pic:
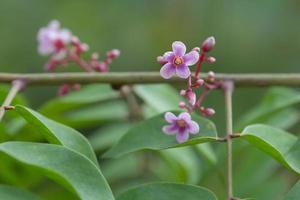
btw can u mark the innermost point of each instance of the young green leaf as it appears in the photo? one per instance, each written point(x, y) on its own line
point(13, 193)
point(282, 146)
point(149, 135)
point(274, 101)
point(58, 133)
point(167, 191)
point(294, 193)
point(65, 166)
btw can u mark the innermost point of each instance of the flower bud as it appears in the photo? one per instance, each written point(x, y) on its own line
point(210, 112)
point(51, 65)
point(210, 59)
point(95, 56)
point(182, 92)
point(191, 96)
point(208, 44)
point(207, 111)
point(182, 104)
point(211, 76)
point(63, 90)
point(101, 67)
point(113, 54)
point(200, 82)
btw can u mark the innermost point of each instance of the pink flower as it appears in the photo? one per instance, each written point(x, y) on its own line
point(181, 126)
point(178, 61)
point(52, 39)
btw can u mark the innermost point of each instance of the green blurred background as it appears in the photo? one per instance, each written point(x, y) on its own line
point(252, 36)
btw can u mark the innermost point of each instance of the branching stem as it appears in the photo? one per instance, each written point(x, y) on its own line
point(17, 85)
point(228, 88)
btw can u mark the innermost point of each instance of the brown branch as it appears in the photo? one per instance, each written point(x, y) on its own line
point(122, 78)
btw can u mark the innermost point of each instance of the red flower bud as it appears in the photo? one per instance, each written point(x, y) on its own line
point(182, 104)
point(208, 44)
point(210, 59)
point(182, 92)
point(113, 54)
point(200, 82)
point(63, 90)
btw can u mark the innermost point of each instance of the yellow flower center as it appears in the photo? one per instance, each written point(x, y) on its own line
point(178, 60)
point(181, 123)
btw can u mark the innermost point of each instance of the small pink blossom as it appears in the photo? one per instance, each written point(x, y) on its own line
point(53, 38)
point(180, 126)
point(178, 62)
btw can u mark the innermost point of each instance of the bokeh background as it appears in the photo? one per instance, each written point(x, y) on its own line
point(252, 37)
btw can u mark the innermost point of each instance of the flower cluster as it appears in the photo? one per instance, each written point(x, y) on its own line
point(178, 62)
point(63, 48)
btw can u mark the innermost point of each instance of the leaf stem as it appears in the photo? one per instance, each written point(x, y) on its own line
point(228, 88)
point(17, 85)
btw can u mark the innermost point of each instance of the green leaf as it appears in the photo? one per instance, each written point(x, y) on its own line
point(58, 133)
point(96, 114)
point(294, 193)
point(189, 166)
point(281, 145)
point(106, 136)
point(67, 167)
point(274, 101)
point(86, 95)
point(13, 193)
point(148, 134)
point(161, 97)
point(167, 191)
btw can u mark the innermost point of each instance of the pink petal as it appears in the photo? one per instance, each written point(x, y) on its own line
point(167, 71)
point(169, 56)
point(193, 127)
point(170, 129)
point(182, 137)
point(185, 116)
point(191, 58)
point(183, 71)
point(179, 48)
point(170, 117)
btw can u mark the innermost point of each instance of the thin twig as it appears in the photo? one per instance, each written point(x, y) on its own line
point(123, 78)
point(135, 112)
point(228, 87)
point(17, 85)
